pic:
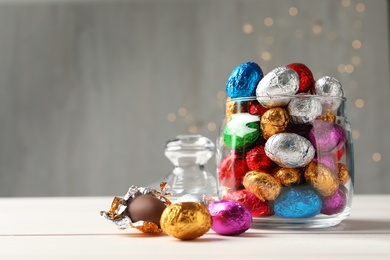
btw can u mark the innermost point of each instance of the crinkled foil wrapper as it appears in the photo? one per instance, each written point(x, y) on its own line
point(117, 213)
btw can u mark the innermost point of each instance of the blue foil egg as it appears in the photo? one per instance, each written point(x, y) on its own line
point(298, 202)
point(243, 80)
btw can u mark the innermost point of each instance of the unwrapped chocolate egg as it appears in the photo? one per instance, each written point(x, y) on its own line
point(273, 121)
point(243, 80)
point(147, 208)
point(289, 150)
point(326, 136)
point(322, 178)
point(229, 217)
point(328, 86)
point(306, 79)
point(298, 202)
point(303, 109)
point(262, 184)
point(279, 82)
point(335, 203)
point(258, 208)
point(241, 131)
point(231, 170)
point(288, 176)
point(186, 220)
point(256, 159)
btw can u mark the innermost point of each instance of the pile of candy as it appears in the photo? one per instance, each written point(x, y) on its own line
point(284, 143)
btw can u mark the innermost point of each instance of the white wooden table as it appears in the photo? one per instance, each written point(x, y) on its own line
point(72, 228)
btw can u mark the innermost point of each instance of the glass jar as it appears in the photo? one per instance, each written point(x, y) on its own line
point(289, 159)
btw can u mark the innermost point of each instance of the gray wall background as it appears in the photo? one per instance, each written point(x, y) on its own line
point(90, 91)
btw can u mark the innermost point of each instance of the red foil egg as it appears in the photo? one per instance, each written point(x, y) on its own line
point(231, 170)
point(258, 207)
point(257, 160)
point(255, 108)
point(306, 79)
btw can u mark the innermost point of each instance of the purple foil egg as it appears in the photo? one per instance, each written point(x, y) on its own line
point(336, 203)
point(326, 136)
point(229, 217)
point(327, 159)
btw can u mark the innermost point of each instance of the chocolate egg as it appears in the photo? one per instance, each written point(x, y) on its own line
point(262, 184)
point(335, 203)
point(306, 79)
point(343, 173)
point(231, 170)
point(322, 178)
point(229, 217)
point(256, 159)
point(255, 108)
point(147, 208)
point(326, 136)
point(304, 109)
point(298, 202)
point(241, 131)
point(186, 220)
point(289, 150)
point(328, 159)
point(275, 120)
point(279, 82)
point(243, 80)
point(332, 91)
point(288, 176)
point(258, 208)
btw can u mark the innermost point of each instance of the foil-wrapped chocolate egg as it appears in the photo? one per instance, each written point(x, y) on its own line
point(256, 159)
point(255, 108)
point(258, 208)
point(288, 176)
point(241, 131)
point(343, 173)
point(229, 217)
point(326, 136)
point(298, 202)
point(243, 80)
point(335, 203)
point(234, 107)
point(322, 178)
point(262, 184)
point(332, 91)
point(327, 117)
point(186, 220)
point(327, 159)
point(274, 121)
point(147, 208)
point(280, 82)
point(231, 170)
point(304, 109)
point(306, 79)
point(289, 150)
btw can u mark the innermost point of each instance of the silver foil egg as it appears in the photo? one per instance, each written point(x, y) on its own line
point(281, 81)
point(303, 110)
point(289, 150)
point(328, 86)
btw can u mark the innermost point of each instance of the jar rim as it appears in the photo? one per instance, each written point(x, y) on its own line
point(304, 95)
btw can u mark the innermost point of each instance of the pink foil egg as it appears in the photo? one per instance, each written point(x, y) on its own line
point(326, 136)
point(229, 217)
point(336, 203)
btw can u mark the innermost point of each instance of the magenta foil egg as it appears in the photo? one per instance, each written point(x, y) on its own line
point(326, 136)
point(229, 217)
point(329, 160)
point(336, 203)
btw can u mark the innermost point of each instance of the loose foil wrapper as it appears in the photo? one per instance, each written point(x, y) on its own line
point(117, 213)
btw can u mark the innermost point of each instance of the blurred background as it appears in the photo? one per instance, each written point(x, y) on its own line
point(91, 90)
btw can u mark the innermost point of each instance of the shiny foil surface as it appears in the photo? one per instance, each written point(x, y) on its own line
point(279, 82)
point(328, 86)
point(343, 173)
point(304, 110)
point(288, 176)
point(229, 217)
point(274, 121)
point(242, 130)
point(322, 178)
point(328, 117)
point(289, 150)
point(306, 79)
point(256, 159)
point(327, 136)
point(243, 80)
point(186, 220)
point(335, 203)
point(298, 202)
point(255, 108)
point(262, 184)
point(232, 107)
point(231, 170)
point(258, 208)
point(329, 160)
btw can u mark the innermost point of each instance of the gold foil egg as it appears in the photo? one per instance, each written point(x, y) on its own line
point(273, 121)
point(288, 176)
point(328, 117)
point(343, 174)
point(321, 178)
point(186, 220)
point(262, 184)
point(233, 107)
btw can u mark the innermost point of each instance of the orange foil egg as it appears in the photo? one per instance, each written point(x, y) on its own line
point(262, 184)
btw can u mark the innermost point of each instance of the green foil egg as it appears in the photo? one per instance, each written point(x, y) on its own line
point(241, 131)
